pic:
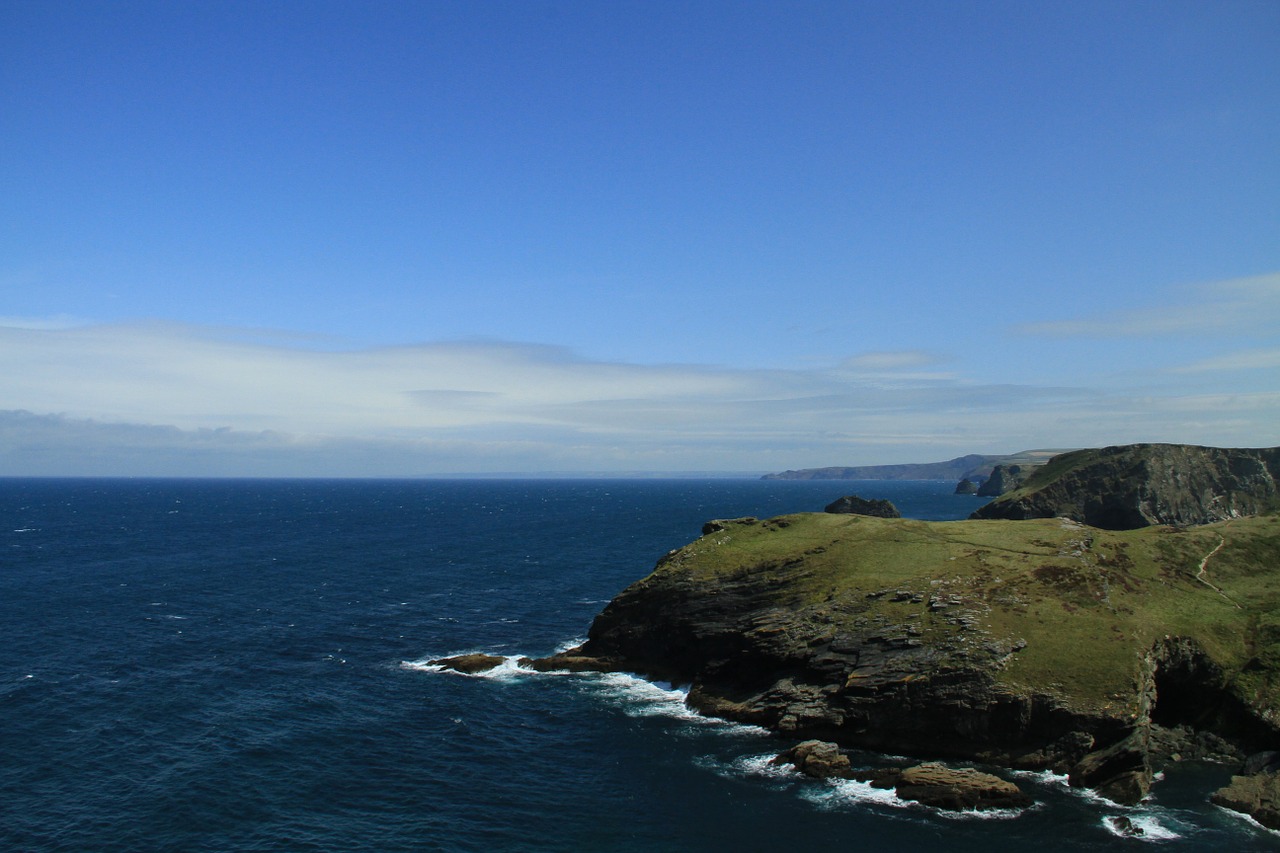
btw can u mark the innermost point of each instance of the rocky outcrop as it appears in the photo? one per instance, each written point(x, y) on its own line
point(469, 664)
point(953, 789)
point(817, 759)
point(1121, 772)
point(1257, 795)
point(931, 784)
point(966, 487)
point(875, 507)
point(1138, 485)
point(1004, 478)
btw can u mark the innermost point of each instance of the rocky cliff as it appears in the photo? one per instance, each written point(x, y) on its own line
point(878, 507)
point(1004, 478)
point(1138, 485)
point(1033, 644)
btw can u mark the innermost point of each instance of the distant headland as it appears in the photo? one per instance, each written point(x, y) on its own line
point(974, 467)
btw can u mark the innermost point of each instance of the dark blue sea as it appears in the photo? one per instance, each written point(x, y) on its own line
point(240, 666)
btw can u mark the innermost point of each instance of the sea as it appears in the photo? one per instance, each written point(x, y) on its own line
point(242, 665)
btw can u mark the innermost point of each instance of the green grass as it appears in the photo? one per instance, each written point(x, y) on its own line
point(1088, 603)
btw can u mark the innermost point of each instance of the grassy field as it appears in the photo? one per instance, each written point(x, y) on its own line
point(1083, 606)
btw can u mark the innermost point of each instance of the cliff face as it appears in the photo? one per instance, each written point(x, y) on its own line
point(1035, 644)
point(1131, 486)
point(1004, 478)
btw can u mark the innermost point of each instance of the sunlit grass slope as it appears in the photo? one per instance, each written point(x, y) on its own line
point(1089, 604)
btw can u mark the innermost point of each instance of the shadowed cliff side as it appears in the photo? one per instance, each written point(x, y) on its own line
point(1137, 485)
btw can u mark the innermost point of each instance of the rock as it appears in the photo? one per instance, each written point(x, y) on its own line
point(1257, 795)
point(953, 789)
point(1124, 826)
point(568, 662)
point(854, 505)
point(967, 641)
point(1140, 485)
point(1261, 762)
point(1004, 478)
point(1121, 772)
point(966, 487)
point(469, 664)
point(718, 524)
point(817, 759)
point(1059, 756)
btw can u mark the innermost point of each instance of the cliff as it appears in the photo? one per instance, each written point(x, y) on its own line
point(878, 507)
point(1138, 485)
point(1033, 644)
point(1004, 478)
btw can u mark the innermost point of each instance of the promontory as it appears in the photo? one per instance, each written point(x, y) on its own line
point(1047, 642)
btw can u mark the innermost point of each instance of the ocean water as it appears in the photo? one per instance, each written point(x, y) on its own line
point(240, 666)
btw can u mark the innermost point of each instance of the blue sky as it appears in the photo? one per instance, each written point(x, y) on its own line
point(401, 238)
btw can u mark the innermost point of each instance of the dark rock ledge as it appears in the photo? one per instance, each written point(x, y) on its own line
point(931, 784)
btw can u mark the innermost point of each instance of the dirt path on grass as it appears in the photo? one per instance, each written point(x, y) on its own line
point(1204, 564)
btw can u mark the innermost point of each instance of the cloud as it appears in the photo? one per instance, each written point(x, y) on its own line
point(57, 321)
point(171, 399)
point(1257, 359)
point(889, 361)
point(1235, 306)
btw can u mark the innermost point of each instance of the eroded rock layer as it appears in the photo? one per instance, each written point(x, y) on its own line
point(1031, 644)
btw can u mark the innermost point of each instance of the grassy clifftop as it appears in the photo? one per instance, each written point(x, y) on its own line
point(1042, 611)
point(1147, 484)
point(1088, 603)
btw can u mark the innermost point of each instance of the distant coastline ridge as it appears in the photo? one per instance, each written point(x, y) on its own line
point(974, 467)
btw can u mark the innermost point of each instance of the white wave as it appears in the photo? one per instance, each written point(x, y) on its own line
point(986, 814)
point(1246, 819)
point(1147, 826)
point(639, 697)
point(1047, 778)
point(508, 670)
point(842, 793)
point(26, 530)
point(764, 766)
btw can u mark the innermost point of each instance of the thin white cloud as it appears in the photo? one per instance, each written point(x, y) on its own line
point(882, 361)
point(160, 398)
point(57, 321)
point(1256, 359)
point(1236, 306)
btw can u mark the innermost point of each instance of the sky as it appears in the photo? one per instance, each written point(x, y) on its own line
point(411, 239)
